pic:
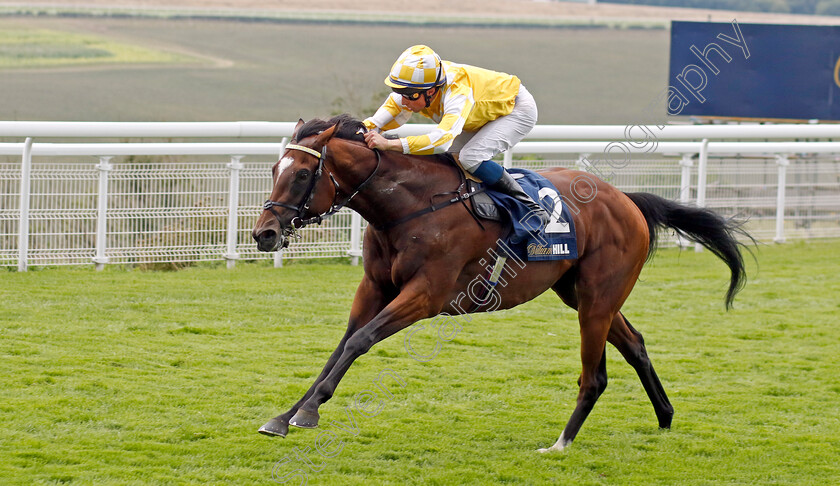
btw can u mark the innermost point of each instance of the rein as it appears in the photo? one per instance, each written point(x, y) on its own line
point(462, 198)
point(338, 207)
point(306, 200)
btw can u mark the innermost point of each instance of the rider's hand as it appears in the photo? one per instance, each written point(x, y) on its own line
point(375, 140)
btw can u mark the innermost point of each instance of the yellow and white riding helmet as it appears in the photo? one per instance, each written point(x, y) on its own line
point(417, 67)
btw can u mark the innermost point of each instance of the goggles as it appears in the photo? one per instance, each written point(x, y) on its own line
point(410, 95)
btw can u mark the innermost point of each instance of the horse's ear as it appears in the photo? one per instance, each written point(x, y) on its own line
point(325, 136)
point(297, 127)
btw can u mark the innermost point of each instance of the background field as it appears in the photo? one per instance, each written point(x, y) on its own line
point(284, 62)
point(129, 377)
point(280, 72)
point(22, 47)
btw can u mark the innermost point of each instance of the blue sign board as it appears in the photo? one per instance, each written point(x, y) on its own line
point(754, 71)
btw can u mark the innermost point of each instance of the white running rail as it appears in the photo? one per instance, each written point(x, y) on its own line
point(176, 202)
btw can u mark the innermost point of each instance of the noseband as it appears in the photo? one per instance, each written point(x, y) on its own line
point(306, 200)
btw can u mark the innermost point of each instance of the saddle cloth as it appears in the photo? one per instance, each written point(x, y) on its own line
point(555, 241)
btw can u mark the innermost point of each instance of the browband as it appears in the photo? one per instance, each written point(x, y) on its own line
point(308, 150)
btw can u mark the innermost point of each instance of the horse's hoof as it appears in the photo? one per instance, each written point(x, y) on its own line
point(274, 428)
point(305, 420)
point(665, 421)
point(558, 446)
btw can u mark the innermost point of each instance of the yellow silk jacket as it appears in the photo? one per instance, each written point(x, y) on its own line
point(471, 98)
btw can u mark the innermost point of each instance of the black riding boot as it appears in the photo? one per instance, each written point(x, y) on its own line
point(508, 185)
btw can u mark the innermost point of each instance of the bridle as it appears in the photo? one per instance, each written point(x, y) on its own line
point(301, 208)
point(298, 221)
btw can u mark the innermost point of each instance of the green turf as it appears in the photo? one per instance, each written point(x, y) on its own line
point(131, 377)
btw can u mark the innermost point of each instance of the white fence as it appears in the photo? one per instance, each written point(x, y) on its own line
point(147, 203)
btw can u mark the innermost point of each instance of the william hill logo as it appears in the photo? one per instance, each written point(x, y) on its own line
point(540, 250)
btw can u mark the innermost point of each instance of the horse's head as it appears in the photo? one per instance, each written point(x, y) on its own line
point(299, 191)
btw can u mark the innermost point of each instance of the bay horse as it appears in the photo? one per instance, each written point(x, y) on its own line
point(418, 261)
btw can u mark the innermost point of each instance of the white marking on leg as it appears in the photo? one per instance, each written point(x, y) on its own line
point(558, 446)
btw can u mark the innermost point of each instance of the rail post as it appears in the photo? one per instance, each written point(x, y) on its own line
point(104, 166)
point(25, 189)
point(583, 163)
point(685, 189)
point(355, 238)
point(702, 163)
point(235, 167)
point(507, 162)
point(782, 162)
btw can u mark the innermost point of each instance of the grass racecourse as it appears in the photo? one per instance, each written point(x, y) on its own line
point(126, 377)
point(131, 377)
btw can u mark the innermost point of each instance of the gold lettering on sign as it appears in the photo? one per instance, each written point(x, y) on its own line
point(837, 72)
point(534, 249)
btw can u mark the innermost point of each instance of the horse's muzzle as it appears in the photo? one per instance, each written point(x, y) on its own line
point(269, 240)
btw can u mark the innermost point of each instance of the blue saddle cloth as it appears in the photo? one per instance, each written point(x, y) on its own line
point(555, 241)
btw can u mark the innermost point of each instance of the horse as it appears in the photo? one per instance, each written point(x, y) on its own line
point(419, 257)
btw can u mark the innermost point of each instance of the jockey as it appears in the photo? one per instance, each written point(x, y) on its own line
point(480, 113)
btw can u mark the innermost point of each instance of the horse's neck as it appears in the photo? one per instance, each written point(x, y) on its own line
point(402, 184)
point(419, 175)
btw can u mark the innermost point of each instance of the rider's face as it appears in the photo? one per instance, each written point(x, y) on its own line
point(416, 105)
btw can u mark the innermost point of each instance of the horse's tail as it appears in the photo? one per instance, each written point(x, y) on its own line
point(700, 225)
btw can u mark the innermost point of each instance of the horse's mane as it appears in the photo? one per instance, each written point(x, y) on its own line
point(349, 128)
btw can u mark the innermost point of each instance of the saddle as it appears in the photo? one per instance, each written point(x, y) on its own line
point(556, 241)
point(483, 204)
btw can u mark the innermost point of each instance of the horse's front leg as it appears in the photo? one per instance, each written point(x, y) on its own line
point(414, 302)
point(368, 302)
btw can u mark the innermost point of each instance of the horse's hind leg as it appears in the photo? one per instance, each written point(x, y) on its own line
point(597, 288)
point(631, 345)
point(586, 401)
point(595, 324)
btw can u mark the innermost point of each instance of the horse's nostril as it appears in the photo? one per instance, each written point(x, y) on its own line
point(267, 236)
point(266, 239)
point(262, 235)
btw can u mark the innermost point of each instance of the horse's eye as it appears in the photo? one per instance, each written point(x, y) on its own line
point(302, 175)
